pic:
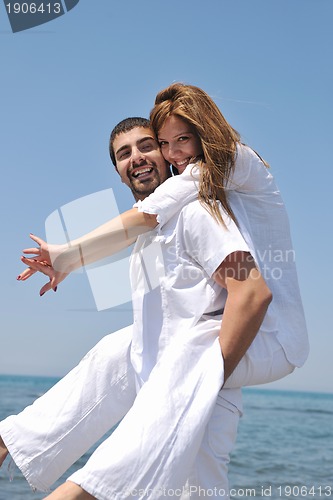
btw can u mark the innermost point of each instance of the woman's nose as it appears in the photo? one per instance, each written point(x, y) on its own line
point(172, 150)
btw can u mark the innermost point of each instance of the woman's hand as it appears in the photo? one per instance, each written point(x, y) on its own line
point(34, 266)
point(42, 261)
point(42, 252)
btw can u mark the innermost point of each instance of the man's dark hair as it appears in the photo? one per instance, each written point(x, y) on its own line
point(125, 126)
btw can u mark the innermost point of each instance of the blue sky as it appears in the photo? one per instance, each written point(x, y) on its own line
point(65, 84)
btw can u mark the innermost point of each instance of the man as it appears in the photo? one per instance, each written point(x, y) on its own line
point(173, 428)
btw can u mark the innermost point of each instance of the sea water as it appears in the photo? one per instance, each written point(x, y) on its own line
point(284, 447)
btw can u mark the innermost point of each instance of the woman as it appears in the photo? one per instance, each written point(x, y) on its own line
point(234, 176)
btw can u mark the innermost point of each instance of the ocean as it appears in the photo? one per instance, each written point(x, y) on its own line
point(284, 447)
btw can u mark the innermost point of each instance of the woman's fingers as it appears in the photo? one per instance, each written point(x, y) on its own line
point(45, 288)
point(26, 274)
point(41, 252)
point(35, 265)
point(42, 267)
point(38, 260)
point(32, 250)
point(54, 276)
point(38, 240)
point(37, 250)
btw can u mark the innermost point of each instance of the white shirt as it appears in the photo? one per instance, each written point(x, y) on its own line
point(172, 286)
point(263, 222)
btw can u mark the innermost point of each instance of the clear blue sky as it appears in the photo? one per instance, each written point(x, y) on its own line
point(64, 85)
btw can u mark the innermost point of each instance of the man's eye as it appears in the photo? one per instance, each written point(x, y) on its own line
point(146, 147)
point(123, 155)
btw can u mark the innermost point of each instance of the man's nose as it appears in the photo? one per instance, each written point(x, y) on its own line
point(137, 156)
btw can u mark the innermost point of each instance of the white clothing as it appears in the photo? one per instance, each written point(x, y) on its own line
point(181, 410)
point(153, 450)
point(209, 473)
point(157, 446)
point(176, 356)
point(171, 277)
point(50, 435)
point(263, 222)
point(47, 437)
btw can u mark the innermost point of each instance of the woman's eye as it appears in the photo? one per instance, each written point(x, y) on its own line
point(183, 138)
point(162, 143)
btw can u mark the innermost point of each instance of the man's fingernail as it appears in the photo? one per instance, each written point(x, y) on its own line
point(19, 277)
point(55, 289)
point(41, 294)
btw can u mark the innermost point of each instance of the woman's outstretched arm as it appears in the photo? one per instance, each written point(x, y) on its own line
point(57, 261)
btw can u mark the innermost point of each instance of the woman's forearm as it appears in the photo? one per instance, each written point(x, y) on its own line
point(242, 318)
point(104, 241)
point(245, 308)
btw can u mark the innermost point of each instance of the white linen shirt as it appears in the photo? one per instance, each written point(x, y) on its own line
point(171, 276)
point(263, 222)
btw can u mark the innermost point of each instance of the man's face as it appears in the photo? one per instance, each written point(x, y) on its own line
point(140, 163)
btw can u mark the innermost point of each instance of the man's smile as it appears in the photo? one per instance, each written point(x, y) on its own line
point(141, 172)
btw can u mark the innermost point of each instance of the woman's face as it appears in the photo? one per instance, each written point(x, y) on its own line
point(179, 142)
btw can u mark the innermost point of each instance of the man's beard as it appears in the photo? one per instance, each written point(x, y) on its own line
point(142, 189)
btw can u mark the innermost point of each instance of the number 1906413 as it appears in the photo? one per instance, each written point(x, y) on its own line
point(33, 8)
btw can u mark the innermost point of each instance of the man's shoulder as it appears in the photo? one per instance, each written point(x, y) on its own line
point(192, 215)
point(193, 211)
point(193, 207)
point(196, 216)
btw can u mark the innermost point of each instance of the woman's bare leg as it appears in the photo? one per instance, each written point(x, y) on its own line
point(69, 491)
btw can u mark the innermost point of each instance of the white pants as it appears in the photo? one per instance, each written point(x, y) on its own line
point(164, 439)
point(177, 430)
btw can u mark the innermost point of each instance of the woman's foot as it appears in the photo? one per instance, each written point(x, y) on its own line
point(3, 451)
point(69, 491)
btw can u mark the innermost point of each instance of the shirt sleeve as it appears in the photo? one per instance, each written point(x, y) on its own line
point(207, 241)
point(172, 195)
point(250, 175)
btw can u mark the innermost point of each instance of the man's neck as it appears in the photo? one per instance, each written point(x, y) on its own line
point(140, 197)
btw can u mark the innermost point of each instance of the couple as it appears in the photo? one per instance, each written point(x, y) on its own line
point(164, 373)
